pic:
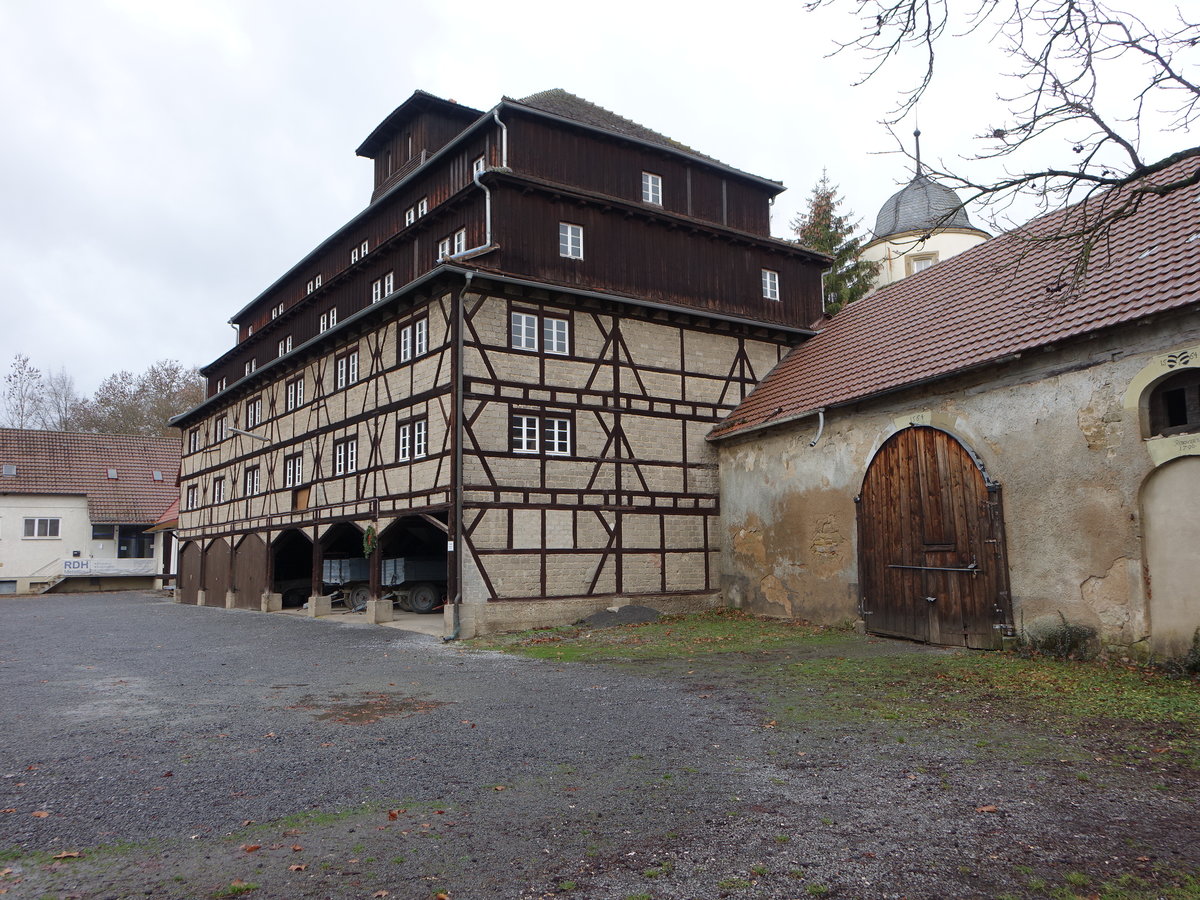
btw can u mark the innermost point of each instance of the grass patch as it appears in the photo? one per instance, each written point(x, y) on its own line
point(671, 637)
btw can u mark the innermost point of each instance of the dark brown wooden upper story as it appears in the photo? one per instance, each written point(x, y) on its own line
point(699, 238)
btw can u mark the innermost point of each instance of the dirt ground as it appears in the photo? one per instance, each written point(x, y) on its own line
point(154, 750)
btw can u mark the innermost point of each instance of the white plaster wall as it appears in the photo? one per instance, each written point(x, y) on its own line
point(891, 253)
point(21, 557)
point(1050, 428)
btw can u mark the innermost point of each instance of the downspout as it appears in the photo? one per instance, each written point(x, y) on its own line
point(820, 427)
point(487, 198)
point(459, 321)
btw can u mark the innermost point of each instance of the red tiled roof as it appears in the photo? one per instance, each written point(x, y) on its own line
point(62, 462)
point(1002, 297)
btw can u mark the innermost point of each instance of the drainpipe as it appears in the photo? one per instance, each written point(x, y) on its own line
point(459, 419)
point(487, 197)
point(820, 427)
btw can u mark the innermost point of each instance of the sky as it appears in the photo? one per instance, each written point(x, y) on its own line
point(164, 162)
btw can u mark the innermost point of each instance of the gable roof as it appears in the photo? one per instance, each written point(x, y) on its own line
point(1003, 297)
point(62, 462)
point(565, 105)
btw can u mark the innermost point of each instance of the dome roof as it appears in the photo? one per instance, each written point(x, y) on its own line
point(921, 205)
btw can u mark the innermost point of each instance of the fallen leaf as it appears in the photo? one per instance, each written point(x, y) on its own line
point(299, 867)
point(498, 787)
point(31, 768)
point(247, 822)
point(380, 894)
point(40, 814)
point(441, 896)
point(986, 809)
point(167, 774)
point(66, 854)
point(393, 815)
point(296, 848)
point(10, 809)
point(269, 734)
point(250, 848)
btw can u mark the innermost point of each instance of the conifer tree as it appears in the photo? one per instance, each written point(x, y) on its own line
point(825, 229)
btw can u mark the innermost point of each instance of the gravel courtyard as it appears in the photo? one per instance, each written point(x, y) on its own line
point(149, 749)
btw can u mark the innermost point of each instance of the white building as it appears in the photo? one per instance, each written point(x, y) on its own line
point(75, 509)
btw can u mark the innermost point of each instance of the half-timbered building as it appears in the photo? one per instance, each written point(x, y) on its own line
point(505, 366)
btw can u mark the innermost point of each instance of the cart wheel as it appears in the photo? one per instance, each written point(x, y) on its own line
point(424, 597)
point(357, 600)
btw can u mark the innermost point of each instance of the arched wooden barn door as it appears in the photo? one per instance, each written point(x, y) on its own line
point(216, 573)
point(250, 572)
point(189, 572)
point(932, 563)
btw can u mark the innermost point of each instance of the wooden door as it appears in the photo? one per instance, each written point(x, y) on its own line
point(216, 573)
point(189, 572)
point(250, 572)
point(932, 563)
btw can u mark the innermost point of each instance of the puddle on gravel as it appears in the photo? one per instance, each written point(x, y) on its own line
point(365, 708)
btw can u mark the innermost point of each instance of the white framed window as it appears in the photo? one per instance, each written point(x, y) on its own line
point(190, 497)
point(523, 331)
point(376, 290)
point(347, 369)
point(410, 216)
point(363, 248)
point(557, 436)
point(41, 528)
point(420, 439)
point(570, 240)
point(218, 489)
point(220, 427)
point(422, 206)
point(250, 366)
point(345, 457)
point(221, 384)
point(285, 345)
point(420, 337)
point(404, 442)
point(524, 434)
point(460, 240)
point(555, 336)
point(389, 283)
point(353, 255)
point(406, 343)
point(295, 393)
point(478, 165)
point(652, 188)
point(357, 253)
point(250, 483)
point(309, 287)
point(194, 440)
point(770, 284)
point(443, 248)
point(253, 412)
point(293, 470)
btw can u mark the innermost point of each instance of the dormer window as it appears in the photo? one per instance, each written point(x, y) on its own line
point(652, 188)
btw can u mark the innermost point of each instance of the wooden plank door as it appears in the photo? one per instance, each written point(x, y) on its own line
point(931, 544)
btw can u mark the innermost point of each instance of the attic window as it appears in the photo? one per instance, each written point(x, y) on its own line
point(1175, 404)
point(9, 470)
point(112, 473)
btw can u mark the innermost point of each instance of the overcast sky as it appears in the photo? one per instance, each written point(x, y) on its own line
point(164, 161)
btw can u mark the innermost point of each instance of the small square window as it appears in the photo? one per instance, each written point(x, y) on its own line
point(525, 434)
point(570, 240)
point(770, 284)
point(652, 188)
point(478, 166)
point(557, 434)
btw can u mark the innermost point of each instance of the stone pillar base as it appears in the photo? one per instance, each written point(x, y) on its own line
point(176, 595)
point(379, 611)
point(201, 596)
point(319, 606)
point(231, 599)
point(272, 602)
